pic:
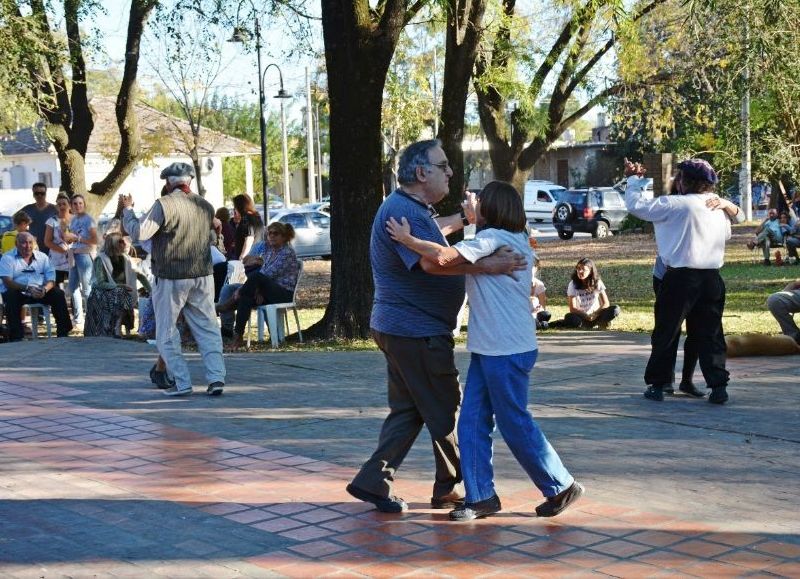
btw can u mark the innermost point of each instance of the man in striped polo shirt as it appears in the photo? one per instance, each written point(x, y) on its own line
point(181, 225)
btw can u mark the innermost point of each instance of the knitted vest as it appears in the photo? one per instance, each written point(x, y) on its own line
point(181, 247)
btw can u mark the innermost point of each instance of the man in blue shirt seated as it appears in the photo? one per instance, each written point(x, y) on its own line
point(26, 277)
point(768, 232)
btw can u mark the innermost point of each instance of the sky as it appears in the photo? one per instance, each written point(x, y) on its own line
point(239, 78)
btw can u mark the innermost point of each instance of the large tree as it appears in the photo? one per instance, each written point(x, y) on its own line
point(360, 40)
point(464, 33)
point(517, 139)
point(50, 63)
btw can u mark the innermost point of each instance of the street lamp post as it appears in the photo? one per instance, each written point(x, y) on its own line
point(242, 35)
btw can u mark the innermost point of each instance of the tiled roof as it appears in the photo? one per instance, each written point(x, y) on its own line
point(161, 135)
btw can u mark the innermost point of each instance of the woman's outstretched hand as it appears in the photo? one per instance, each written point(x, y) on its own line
point(399, 231)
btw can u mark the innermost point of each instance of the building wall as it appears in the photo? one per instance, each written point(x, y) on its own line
point(576, 158)
point(143, 183)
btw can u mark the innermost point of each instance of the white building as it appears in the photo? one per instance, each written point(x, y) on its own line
point(28, 157)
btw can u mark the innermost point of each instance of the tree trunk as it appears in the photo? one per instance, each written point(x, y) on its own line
point(464, 27)
point(357, 53)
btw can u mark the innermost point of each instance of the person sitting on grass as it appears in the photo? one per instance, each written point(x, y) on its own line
point(588, 301)
point(502, 341)
point(539, 299)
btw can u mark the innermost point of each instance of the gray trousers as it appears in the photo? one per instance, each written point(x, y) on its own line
point(423, 388)
point(783, 305)
point(196, 298)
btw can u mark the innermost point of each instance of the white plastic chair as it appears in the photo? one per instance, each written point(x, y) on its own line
point(276, 319)
point(34, 325)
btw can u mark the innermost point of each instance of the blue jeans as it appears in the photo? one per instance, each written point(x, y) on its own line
point(80, 276)
point(497, 389)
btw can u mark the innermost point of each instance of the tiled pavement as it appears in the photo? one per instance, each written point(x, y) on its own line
point(103, 476)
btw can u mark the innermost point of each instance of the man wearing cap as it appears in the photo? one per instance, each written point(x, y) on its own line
point(181, 225)
point(691, 237)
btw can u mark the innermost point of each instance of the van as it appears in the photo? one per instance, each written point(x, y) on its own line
point(540, 199)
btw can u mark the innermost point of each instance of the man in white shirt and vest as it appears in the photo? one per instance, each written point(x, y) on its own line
point(181, 225)
point(691, 240)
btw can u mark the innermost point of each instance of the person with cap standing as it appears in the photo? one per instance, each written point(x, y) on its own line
point(691, 237)
point(181, 226)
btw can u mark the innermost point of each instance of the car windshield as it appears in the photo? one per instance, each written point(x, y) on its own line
point(573, 197)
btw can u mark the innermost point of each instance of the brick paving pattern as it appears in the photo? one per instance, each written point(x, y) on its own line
point(101, 477)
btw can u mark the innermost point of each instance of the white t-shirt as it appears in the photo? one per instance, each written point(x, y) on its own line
point(537, 289)
point(588, 300)
point(59, 261)
point(500, 322)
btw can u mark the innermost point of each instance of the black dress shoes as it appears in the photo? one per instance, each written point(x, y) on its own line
point(655, 392)
point(690, 389)
point(389, 504)
point(478, 510)
point(719, 395)
point(558, 504)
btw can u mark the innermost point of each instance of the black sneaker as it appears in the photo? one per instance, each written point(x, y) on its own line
point(690, 389)
point(161, 379)
point(719, 395)
point(478, 510)
point(449, 501)
point(654, 392)
point(668, 389)
point(215, 389)
point(389, 504)
point(559, 503)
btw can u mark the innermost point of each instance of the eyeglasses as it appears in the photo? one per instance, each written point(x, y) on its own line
point(444, 165)
point(39, 193)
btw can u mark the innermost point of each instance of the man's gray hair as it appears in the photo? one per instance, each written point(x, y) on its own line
point(415, 155)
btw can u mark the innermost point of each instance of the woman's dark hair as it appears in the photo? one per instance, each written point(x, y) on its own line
point(689, 185)
point(591, 281)
point(285, 230)
point(501, 207)
point(244, 204)
point(223, 214)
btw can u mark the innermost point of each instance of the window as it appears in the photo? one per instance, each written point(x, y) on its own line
point(46, 178)
point(613, 199)
point(543, 197)
point(321, 220)
point(296, 220)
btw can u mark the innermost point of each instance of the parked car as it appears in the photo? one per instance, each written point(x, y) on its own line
point(647, 192)
point(6, 224)
point(540, 199)
point(324, 206)
point(596, 211)
point(312, 231)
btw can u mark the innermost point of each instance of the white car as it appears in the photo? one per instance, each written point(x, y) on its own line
point(540, 199)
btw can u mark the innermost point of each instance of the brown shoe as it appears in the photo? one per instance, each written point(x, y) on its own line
point(448, 501)
point(558, 504)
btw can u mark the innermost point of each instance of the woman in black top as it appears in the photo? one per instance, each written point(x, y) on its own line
point(250, 226)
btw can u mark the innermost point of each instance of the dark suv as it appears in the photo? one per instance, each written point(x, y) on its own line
point(596, 211)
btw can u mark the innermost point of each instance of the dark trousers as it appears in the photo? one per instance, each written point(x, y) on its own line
point(423, 389)
point(698, 297)
point(270, 292)
point(15, 299)
point(220, 273)
point(690, 355)
point(604, 316)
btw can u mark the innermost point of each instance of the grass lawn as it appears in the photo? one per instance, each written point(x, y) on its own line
point(625, 263)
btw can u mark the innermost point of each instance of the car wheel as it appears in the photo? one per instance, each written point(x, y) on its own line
point(563, 212)
point(601, 230)
point(565, 234)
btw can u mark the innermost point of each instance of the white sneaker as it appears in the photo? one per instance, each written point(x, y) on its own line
point(175, 391)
